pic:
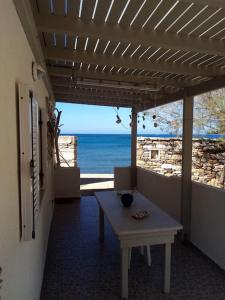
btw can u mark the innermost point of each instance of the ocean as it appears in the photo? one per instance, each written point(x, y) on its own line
point(100, 153)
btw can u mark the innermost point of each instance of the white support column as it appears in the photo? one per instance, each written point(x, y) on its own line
point(186, 188)
point(134, 148)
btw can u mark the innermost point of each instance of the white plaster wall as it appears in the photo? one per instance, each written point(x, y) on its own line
point(208, 221)
point(164, 191)
point(67, 182)
point(22, 262)
point(122, 180)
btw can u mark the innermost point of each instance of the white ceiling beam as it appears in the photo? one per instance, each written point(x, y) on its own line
point(88, 58)
point(142, 37)
point(96, 91)
point(212, 3)
point(104, 76)
point(204, 87)
point(93, 100)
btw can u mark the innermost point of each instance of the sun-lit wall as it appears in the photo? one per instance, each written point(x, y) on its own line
point(22, 263)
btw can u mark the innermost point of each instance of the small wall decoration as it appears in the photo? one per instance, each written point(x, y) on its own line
point(53, 130)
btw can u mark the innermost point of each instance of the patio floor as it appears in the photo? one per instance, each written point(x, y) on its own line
point(80, 267)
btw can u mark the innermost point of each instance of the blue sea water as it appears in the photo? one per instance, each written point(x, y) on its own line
point(100, 153)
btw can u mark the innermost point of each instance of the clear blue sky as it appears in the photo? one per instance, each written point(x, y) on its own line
point(78, 118)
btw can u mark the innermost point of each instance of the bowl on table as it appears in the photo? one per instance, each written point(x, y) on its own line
point(126, 199)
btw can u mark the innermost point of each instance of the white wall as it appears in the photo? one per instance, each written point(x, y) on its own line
point(122, 178)
point(67, 182)
point(164, 191)
point(208, 221)
point(22, 262)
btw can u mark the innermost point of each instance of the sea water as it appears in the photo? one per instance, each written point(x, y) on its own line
point(100, 153)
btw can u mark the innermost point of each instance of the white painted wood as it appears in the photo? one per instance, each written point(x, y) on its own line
point(124, 272)
point(158, 228)
point(129, 256)
point(142, 250)
point(167, 268)
point(29, 162)
point(61, 73)
point(25, 158)
point(35, 158)
point(133, 148)
point(214, 3)
point(116, 61)
point(123, 223)
point(186, 187)
point(148, 248)
point(117, 33)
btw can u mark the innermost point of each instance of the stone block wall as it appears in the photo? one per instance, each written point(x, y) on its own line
point(164, 156)
point(68, 151)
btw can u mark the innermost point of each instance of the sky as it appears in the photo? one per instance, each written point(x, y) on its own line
point(93, 119)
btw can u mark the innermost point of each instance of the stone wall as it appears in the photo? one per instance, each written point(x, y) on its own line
point(164, 156)
point(68, 151)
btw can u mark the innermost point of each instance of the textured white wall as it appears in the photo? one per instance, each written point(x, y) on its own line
point(164, 191)
point(22, 262)
point(208, 221)
point(67, 182)
point(122, 180)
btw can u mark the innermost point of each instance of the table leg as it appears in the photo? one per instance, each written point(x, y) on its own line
point(167, 268)
point(101, 224)
point(124, 271)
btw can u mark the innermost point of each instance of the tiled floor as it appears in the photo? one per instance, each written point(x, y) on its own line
point(80, 268)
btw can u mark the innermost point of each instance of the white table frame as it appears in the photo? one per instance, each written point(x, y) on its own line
point(127, 241)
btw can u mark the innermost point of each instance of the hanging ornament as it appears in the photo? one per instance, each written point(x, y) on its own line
point(118, 108)
point(144, 126)
point(155, 125)
point(130, 116)
point(118, 121)
point(154, 117)
point(143, 117)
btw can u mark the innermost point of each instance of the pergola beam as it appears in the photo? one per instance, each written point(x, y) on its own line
point(212, 3)
point(89, 58)
point(97, 93)
point(186, 187)
point(214, 84)
point(146, 38)
point(92, 100)
point(155, 81)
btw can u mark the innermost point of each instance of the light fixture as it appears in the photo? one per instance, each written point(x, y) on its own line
point(37, 71)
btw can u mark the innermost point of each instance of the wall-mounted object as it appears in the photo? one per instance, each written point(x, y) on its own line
point(29, 154)
point(37, 71)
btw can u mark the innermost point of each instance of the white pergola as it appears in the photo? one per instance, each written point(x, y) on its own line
point(131, 53)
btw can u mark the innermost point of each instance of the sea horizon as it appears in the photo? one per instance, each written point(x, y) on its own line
point(102, 152)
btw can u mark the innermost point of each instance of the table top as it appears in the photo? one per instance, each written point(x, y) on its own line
point(121, 218)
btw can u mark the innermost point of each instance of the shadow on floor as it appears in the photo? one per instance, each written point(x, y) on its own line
point(79, 267)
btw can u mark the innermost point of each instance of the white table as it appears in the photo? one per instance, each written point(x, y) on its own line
point(157, 228)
